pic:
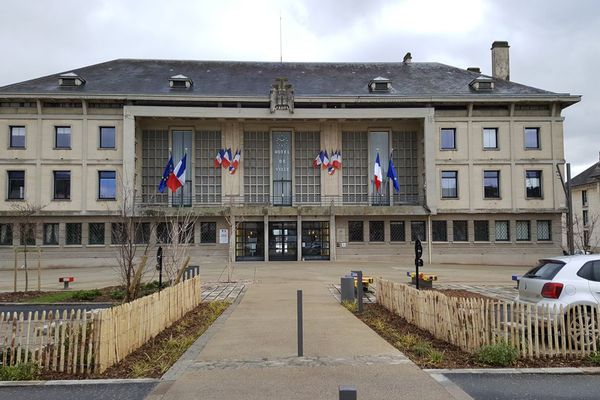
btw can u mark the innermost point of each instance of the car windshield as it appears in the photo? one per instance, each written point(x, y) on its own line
point(545, 270)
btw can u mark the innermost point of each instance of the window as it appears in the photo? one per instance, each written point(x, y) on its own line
point(532, 138)
point(62, 185)
point(16, 185)
point(376, 233)
point(418, 231)
point(17, 137)
point(523, 231)
point(544, 230)
point(584, 201)
point(73, 234)
point(482, 231)
point(590, 271)
point(439, 231)
point(449, 184)
point(186, 233)
point(27, 234)
point(96, 233)
point(208, 232)
point(6, 235)
point(163, 232)
point(448, 139)
point(490, 138)
point(397, 231)
point(107, 185)
point(142, 233)
point(586, 217)
point(51, 234)
point(460, 231)
point(62, 137)
point(118, 233)
point(491, 184)
point(533, 184)
point(107, 137)
point(502, 231)
point(355, 231)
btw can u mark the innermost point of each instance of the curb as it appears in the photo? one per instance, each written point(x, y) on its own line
point(556, 371)
point(74, 382)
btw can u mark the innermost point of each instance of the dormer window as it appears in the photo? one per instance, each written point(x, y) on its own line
point(482, 84)
point(70, 79)
point(180, 82)
point(380, 84)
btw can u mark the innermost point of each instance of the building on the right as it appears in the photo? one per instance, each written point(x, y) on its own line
point(585, 194)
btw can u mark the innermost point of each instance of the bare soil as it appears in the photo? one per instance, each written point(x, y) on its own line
point(393, 328)
point(466, 294)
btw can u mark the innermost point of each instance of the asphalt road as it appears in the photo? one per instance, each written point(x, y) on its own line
point(528, 386)
point(100, 391)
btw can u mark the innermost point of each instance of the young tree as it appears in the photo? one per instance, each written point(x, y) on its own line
point(176, 234)
point(233, 222)
point(585, 233)
point(26, 211)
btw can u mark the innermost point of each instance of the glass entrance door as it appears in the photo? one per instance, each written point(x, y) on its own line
point(283, 244)
point(249, 242)
point(315, 240)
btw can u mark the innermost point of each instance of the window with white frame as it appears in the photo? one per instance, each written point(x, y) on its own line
point(490, 138)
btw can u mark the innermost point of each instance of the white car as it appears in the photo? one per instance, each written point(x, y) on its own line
point(567, 280)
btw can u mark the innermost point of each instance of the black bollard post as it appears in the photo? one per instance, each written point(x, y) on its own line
point(300, 324)
point(347, 392)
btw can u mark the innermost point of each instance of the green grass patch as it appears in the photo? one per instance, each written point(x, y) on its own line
point(594, 359)
point(20, 372)
point(500, 354)
point(350, 306)
point(61, 297)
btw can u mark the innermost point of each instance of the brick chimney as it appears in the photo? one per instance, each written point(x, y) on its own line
point(500, 60)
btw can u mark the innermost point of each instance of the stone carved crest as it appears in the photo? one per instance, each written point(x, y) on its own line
point(282, 95)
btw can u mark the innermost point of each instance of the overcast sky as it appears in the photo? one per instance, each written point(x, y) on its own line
point(555, 44)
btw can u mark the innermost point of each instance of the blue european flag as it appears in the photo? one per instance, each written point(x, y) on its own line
point(391, 173)
point(168, 170)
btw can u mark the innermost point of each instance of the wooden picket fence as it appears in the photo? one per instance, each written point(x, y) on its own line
point(87, 342)
point(472, 323)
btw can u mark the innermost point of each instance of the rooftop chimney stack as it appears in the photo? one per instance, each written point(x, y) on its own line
point(500, 60)
point(407, 58)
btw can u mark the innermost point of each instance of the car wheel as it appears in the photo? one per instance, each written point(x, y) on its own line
point(582, 330)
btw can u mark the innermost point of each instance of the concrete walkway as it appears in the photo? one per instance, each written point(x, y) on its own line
point(253, 354)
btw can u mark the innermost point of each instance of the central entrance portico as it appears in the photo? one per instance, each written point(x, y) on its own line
point(283, 241)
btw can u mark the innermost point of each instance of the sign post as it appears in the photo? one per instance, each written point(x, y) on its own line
point(418, 261)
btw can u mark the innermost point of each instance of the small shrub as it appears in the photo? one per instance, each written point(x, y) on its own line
point(118, 294)
point(20, 372)
point(350, 306)
point(85, 295)
point(594, 358)
point(407, 341)
point(422, 349)
point(435, 357)
point(500, 354)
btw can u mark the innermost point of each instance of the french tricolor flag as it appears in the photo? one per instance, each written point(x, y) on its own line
point(177, 177)
point(235, 163)
point(325, 159)
point(377, 175)
point(317, 160)
point(227, 158)
point(219, 158)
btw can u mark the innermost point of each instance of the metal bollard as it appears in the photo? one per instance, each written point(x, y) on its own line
point(347, 392)
point(300, 324)
point(359, 290)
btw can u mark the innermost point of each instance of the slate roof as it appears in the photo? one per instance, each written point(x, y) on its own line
point(590, 175)
point(130, 77)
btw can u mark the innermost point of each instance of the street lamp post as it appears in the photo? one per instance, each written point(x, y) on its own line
point(567, 189)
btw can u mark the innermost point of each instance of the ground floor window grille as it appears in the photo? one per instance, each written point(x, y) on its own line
point(460, 231)
point(439, 231)
point(482, 231)
point(355, 179)
point(164, 232)
point(544, 230)
point(73, 234)
point(155, 154)
point(118, 233)
point(142, 232)
point(186, 233)
point(523, 231)
point(257, 174)
point(96, 233)
point(355, 231)
point(418, 231)
point(6, 235)
point(27, 234)
point(502, 231)
point(376, 231)
point(51, 234)
point(208, 232)
point(397, 231)
point(207, 181)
